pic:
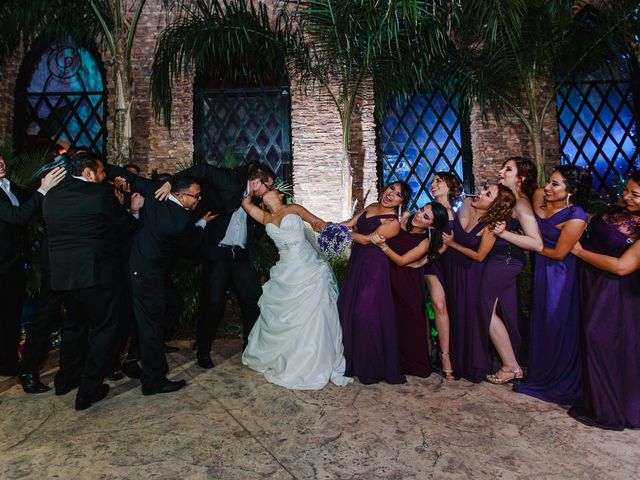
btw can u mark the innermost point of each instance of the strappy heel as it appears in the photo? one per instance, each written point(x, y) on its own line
point(496, 380)
point(446, 374)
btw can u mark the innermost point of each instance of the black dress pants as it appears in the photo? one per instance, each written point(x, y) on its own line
point(11, 300)
point(150, 304)
point(45, 321)
point(90, 329)
point(229, 267)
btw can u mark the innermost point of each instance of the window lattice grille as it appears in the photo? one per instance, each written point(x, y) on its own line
point(62, 99)
point(422, 135)
point(254, 121)
point(598, 130)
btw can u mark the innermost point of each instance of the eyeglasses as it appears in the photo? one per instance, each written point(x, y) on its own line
point(197, 196)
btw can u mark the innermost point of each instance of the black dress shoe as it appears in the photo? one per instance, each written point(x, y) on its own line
point(32, 384)
point(115, 375)
point(167, 387)
point(170, 349)
point(85, 401)
point(131, 368)
point(64, 389)
point(205, 361)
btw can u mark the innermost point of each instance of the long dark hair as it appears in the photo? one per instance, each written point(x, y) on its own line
point(528, 172)
point(578, 182)
point(407, 191)
point(440, 219)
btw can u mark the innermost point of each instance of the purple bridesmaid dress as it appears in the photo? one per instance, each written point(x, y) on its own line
point(610, 327)
point(500, 281)
point(555, 370)
point(408, 289)
point(367, 313)
point(469, 341)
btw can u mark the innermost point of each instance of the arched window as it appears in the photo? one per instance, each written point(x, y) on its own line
point(419, 136)
point(61, 99)
point(598, 121)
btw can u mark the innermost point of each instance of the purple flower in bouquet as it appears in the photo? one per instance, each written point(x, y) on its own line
point(334, 239)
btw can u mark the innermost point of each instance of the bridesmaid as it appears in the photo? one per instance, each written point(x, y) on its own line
point(365, 304)
point(499, 300)
point(446, 190)
point(471, 242)
point(610, 300)
point(420, 235)
point(555, 371)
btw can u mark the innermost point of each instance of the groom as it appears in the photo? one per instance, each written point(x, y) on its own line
point(225, 248)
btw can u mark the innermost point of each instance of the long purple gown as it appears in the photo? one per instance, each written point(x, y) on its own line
point(610, 327)
point(500, 281)
point(469, 341)
point(408, 290)
point(367, 313)
point(555, 370)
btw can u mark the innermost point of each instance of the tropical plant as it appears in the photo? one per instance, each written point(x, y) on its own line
point(112, 22)
point(513, 62)
point(335, 45)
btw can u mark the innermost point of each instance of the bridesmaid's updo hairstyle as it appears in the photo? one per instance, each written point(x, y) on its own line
point(454, 185)
point(578, 182)
point(528, 173)
point(635, 177)
point(501, 209)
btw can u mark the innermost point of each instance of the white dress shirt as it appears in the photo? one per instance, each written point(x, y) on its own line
point(236, 234)
point(200, 223)
point(5, 184)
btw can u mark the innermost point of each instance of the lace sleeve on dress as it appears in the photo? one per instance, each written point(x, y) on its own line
point(628, 224)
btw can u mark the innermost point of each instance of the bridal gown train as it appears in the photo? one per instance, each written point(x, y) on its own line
point(297, 341)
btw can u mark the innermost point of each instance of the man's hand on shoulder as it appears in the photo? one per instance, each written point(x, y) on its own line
point(163, 192)
point(51, 179)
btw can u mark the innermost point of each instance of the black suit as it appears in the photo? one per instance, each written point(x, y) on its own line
point(224, 189)
point(167, 229)
point(13, 221)
point(84, 224)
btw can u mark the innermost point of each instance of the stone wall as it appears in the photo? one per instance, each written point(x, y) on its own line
point(315, 130)
point(494, 141)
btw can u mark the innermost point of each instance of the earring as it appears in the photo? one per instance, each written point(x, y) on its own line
point(399, 212)
point(568, 197)
point(429, 233)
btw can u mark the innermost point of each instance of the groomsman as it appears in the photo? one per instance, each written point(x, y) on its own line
point(226, 249)
point(84, 224)
point(167, 230)
point(15, 214)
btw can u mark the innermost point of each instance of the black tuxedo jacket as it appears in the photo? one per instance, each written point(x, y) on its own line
point(12, 227)
point(84, 224)
point(222, 192)
point(166, 229)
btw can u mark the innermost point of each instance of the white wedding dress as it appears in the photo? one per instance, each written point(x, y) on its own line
point(297, 340)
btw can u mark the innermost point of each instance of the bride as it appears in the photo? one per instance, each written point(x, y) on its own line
point(297, 341)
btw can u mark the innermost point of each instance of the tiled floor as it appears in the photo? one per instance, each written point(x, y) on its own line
point(229, 423)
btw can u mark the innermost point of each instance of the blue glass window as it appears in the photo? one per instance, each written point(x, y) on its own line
point(419, 136)
point(597, 123)
point(63, 99)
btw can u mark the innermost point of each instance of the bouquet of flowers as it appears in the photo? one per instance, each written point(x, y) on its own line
point(334, 239)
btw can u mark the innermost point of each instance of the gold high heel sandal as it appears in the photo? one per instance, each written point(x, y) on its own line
point(496, 380)
point(447, 374)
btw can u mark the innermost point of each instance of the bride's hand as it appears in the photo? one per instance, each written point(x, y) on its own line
point(318, 225)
